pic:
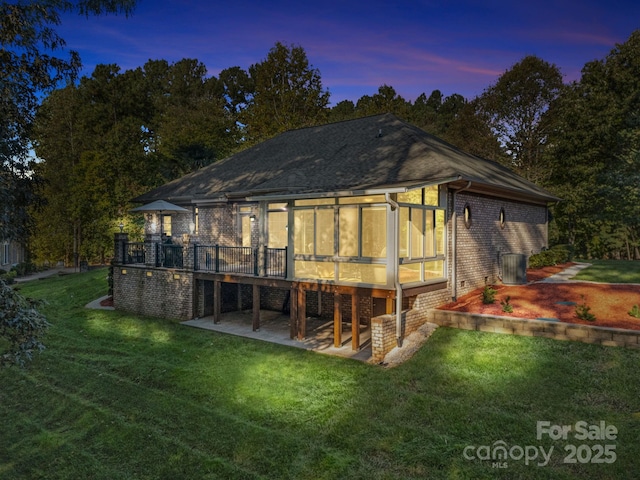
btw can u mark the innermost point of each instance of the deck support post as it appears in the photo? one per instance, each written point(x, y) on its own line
point(256, 307)
point(217, 301)
point(337, 319)
point(355, 322)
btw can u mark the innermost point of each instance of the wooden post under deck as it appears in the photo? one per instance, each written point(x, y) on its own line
point(256, 307)
point(355, 322)
point(217, 301)
point(293, 313)
point(389, 306)
point(337, 320)
point(302, 313)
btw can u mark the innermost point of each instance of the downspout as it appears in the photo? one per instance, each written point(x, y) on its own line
point(454, 245)
point(396, 273)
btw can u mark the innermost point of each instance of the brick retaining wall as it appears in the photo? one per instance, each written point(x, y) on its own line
point(616, 337)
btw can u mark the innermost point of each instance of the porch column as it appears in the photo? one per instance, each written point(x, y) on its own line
point(355, 322)
point(150, 242)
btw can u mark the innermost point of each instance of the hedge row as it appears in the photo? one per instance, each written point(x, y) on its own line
point(555, 255)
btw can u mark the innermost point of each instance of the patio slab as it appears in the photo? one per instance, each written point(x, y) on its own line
point(274, 328)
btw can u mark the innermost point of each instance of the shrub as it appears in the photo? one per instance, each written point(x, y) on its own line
point(546, 258)
point(21, 326)
point(583, 312)
point(635, 311)
point(488, 295)
point(506, 306)
point(9, 277)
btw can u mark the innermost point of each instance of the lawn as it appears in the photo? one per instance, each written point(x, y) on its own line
point(116, 396)
point(611, 271)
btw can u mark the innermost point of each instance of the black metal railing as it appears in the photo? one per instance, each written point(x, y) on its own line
point(210, 258)
point(218, 258)
point(133, 253)
point(169, 256)
point(275, 262)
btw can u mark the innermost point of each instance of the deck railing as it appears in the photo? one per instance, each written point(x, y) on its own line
point(133, 253)
point(210, 258)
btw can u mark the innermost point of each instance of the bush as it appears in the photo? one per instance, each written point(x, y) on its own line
point(488, 295)
point(506, 306)
point(583, 311)
point(635, 311)
point(21, 326)
point(9, 277)
point(547, 258)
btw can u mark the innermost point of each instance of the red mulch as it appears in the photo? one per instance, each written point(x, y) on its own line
point(609, 303)
point(107, 302)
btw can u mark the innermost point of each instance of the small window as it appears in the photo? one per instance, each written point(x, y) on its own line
point(467, 216)
point(501, 218)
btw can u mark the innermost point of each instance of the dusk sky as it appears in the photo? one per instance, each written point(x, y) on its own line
point(414, 46)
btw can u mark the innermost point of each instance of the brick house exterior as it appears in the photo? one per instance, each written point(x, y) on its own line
point(369, 223)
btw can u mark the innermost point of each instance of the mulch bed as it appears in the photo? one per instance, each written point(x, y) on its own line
point(107, 302)
point(610, 303)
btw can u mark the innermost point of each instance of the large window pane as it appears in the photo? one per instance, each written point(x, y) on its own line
point(316, 201)
point(303, 232)
point(324, 231)
point(362, 273)
point(374, 227)
point(405, 228)
point(428, 244)
point(417, 233)
point(316, 270)
point(440, 233)
point(362, 199)
point(412, 196)
point(246, 230)
point(410, 272)
point(431, 196)
point(348, 224)
point(433, 269)
point(277, 224)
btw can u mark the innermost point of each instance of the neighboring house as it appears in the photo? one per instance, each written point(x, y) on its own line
point(11, 255)
point(369, 222)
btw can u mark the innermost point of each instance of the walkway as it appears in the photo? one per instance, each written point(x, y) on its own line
point(566, 275)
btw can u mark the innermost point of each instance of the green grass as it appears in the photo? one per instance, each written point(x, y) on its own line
point(116, 396)
point(611, 271)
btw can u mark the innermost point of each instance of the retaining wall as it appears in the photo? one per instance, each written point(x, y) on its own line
point(616, 337)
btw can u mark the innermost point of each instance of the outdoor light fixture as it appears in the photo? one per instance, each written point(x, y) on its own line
point(192, 227)
point(154, 227)
point(121, 227)
point(253, 218)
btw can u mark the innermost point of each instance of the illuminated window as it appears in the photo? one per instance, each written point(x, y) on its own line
point(166, 225)
point(412, 196)
point(245, 233)
point(277, 229)
point(349, 232)
point(440, 232)
point(303, 227)
point(432, 196)
point(374, 228)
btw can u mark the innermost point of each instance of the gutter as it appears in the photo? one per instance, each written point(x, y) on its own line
point(454, 277)
point(396, 270)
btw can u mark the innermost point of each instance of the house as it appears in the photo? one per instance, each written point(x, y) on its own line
point(12, 254)
point(368, 223)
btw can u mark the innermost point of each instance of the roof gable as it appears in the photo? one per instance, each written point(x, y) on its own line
point(374, 152)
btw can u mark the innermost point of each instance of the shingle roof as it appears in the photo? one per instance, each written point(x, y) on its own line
point(368, 153)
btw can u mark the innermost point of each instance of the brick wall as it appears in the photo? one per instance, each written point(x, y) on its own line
point(159, 293)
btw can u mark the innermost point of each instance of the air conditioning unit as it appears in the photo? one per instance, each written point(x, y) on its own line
point(514, 269)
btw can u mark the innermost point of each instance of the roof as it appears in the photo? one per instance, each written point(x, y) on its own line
point(376, 153)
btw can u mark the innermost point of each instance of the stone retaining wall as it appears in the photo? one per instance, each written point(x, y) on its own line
point(616, 337)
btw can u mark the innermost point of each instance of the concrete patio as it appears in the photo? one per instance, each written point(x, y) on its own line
point(274, 328)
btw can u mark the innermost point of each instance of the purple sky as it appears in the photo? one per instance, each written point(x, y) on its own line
point(414, 46)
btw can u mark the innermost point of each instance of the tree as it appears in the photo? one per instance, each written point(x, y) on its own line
point(28, 69)
point(288, 94)
point(21, 327)
point(594, 149)
point(517, 107)
point(385, 101)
